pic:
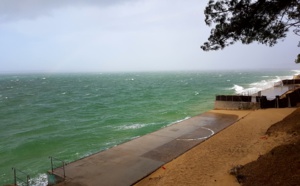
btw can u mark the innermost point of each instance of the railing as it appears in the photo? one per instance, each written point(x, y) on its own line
point(54, 166)
point(23, 179)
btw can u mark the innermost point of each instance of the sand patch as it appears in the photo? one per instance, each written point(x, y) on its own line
point(209, 163)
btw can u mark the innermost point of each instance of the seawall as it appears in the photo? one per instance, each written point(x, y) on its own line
point(129, 162)
point(284, 94)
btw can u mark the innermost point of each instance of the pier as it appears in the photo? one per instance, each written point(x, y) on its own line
point(129, 162)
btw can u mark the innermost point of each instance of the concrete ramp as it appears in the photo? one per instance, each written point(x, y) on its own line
point(129, 162)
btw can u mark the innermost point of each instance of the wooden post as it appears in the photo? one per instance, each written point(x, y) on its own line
point(15, 176)
point(277, 101)
point(289, 100)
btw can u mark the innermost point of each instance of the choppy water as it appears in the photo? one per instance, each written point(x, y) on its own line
point(70, 116)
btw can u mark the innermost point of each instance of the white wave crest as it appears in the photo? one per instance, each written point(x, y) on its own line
point(133, 126)
point(182, 119)
point(296, 71)
point(238, 89)
point(40, 180)
point(258, 86)
point(179, 121)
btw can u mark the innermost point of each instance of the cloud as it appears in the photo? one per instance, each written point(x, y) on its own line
point(132, 35)
point(13, 10)
point(136, 35)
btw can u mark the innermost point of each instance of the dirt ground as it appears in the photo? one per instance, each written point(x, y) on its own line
point(280, 166)
point(262, 148)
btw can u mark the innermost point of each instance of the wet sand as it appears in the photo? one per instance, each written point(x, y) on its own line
point(209, 163)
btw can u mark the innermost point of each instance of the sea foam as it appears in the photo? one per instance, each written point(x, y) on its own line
point(132, 126)
point(40, 180)
point(258, 86)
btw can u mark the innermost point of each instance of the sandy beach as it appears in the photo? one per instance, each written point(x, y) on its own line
point(260, 148)
point(210, 162)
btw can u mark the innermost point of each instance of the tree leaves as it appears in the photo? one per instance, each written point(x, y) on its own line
point(264, 21)
point(298, 59)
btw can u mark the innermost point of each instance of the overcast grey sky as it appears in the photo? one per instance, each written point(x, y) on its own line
point(122, 35)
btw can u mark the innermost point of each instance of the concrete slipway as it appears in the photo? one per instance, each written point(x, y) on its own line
point(129, 162)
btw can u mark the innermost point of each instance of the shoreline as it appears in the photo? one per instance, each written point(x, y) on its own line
point(169, 124)
point(240, 143)
point(136, 162)
point(133, 160)
point(173, 142)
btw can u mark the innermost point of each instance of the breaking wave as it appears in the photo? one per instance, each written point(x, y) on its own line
point(258, 86)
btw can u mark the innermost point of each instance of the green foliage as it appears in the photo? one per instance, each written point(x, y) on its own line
point(298, 59)
point(264, 21)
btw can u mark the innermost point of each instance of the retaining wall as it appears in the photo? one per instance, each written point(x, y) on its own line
point(235, 105)
point(237, 102)
point(290, 81)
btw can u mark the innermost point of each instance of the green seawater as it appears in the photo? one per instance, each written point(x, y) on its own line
point(70, 116)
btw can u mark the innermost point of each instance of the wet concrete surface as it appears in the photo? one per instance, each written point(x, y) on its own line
point(129, 162)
